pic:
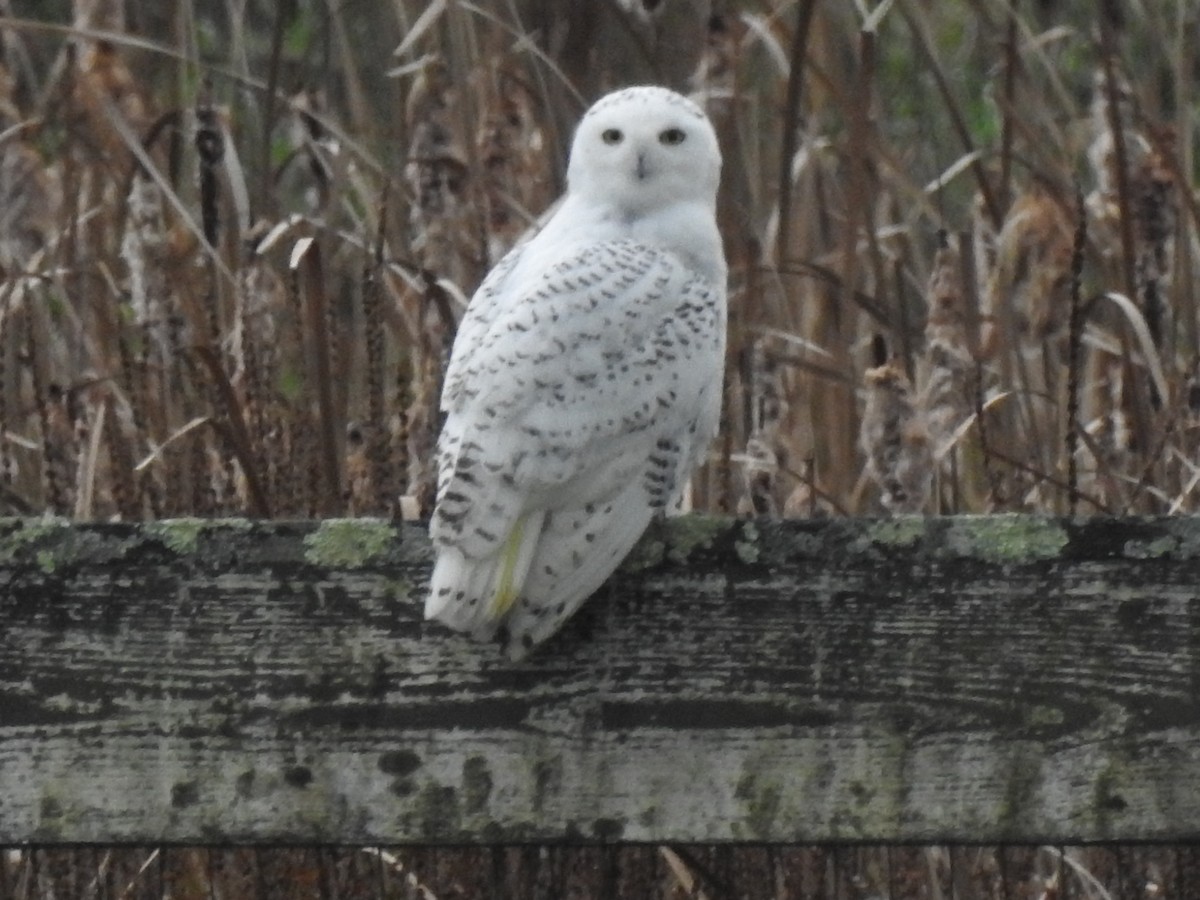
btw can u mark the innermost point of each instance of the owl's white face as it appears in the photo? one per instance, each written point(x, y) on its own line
point(642, 148)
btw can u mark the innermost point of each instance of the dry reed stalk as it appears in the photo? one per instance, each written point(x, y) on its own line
point(398, 438)
point(28, 204)
point(127, 490)
point(1075, 351)
point(423, 418)
point(1108, 437)
point(254, 346)
point(210, 150)
point(181, 477)
point(440, 225)
point(1156, 215)
point(235, 445)
point(924, 45)
point(309, 284)
point(767, 408)
point(714, 85)
point(792, 122)
point(55, 432)
point(1134, 213)
point(438, 176)
point(8, 392)
point(360, 491)
point(857, 220)
point(381, 491)
point(835, 415)
point(144, 250)
point(202, 500)
point(296, 493)
point(1122, 155)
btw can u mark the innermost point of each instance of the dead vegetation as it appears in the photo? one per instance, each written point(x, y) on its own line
point(234, 250)
point(235, 242)
point(635, 871)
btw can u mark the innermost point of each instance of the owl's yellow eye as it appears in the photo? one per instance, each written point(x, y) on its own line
point(672, 136)
point(611, 136)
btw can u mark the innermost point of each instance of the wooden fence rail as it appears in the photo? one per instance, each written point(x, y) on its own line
point(978, 679)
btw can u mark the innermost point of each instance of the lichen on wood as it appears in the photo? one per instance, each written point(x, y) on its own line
point(908, 679)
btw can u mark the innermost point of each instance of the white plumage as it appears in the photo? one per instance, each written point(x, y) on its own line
point(585, 380)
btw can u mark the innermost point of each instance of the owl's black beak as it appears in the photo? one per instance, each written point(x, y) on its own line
point(641, 167)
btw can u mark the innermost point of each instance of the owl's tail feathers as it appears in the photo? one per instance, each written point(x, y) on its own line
point(475, 594)
point(579, 549)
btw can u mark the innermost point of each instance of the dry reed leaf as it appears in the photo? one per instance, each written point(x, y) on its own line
point(682, 874)
point(1156, 213)
point(872, 17)
point(1141, 330)
point(183, 431)
point(89, 463)
point(420, 27)
point(953, 438)
point(411, 881)
point(956, 168)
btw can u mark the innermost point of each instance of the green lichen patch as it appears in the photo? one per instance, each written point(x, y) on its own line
point(900, 532)
point(647, 553)
point(1186, 530)
point(1180, 540)
point(28, 537)
point(348, 543)
point(181, 536)
point(1007, 539)
point(747, 548)
point(47, 561)
point(694, 532)
point(1043, 716)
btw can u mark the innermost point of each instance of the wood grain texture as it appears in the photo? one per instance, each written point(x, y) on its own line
point(980, 679)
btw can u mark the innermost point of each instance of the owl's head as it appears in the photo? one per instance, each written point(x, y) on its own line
point(642, 147)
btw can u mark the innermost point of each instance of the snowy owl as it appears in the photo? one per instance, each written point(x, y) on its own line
point(585, 380)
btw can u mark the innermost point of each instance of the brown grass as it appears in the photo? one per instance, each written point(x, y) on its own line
point(234, 253)
point(593, 873)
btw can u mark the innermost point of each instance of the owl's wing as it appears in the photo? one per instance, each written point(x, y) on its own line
point(611, 358)
point(485, 305)
point(598, 381)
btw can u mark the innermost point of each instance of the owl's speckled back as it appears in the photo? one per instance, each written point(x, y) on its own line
point(585, 381)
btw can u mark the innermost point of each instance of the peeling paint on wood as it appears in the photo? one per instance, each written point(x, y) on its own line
point(981, 679)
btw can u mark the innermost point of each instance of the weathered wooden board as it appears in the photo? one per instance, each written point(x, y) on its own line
point(979, 679)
